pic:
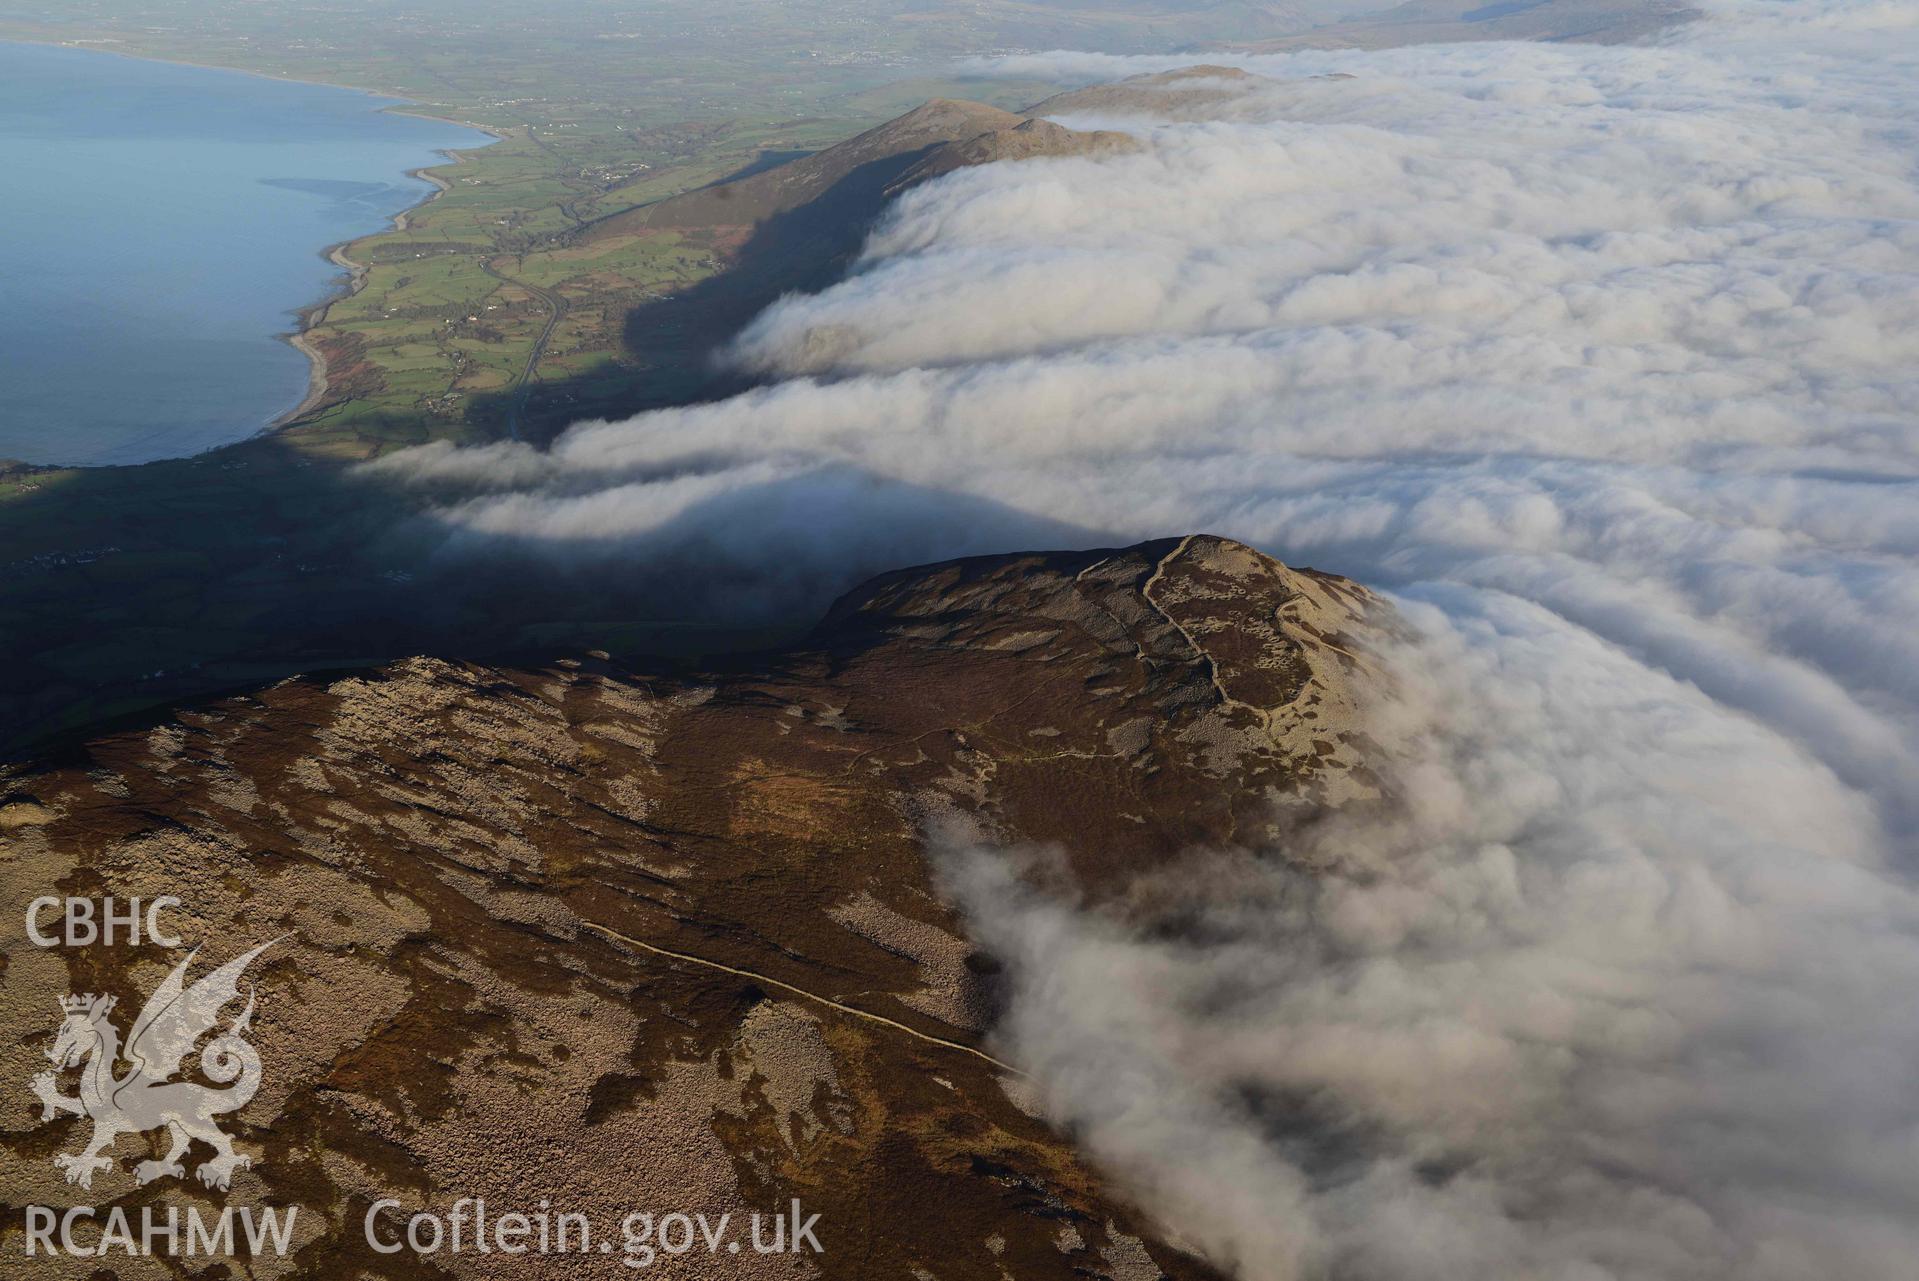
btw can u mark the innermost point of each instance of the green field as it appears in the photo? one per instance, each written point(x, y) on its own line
point(450, 310)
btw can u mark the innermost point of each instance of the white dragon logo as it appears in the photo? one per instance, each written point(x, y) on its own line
point(173, 1020)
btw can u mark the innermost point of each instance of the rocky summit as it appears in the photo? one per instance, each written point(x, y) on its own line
point(621, 940)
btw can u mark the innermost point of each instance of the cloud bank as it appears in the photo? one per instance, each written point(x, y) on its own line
point(1606, 363)
point(1617, 993)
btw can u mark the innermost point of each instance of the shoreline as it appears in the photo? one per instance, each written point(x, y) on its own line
point(313, 314)
point(393, 98)
point(309, 318)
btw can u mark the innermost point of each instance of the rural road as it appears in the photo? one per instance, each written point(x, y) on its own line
point(556, 311)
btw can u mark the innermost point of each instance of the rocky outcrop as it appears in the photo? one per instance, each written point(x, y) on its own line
point(659, 941)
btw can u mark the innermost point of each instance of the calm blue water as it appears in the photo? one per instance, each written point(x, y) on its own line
point(159, 225)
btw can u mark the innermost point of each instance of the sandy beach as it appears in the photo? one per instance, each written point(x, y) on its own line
point(313, 316)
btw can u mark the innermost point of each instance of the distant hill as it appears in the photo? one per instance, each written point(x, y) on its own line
point(1026, 140)
point(1167, 94)
point(854, 178)
point(1120, 26)
point(1452, 21)
point(795, 227)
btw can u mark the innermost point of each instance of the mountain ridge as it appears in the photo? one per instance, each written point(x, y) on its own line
point(624, 938)
point(853, 178)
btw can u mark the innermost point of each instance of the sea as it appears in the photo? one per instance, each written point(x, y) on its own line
point(160, 227)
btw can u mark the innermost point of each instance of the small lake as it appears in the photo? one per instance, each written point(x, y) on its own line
point(161, 224)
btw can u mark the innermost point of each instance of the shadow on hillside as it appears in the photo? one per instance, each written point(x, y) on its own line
point(760, 164)
point(129, 590)
point(670, 343)
point(763, 558)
